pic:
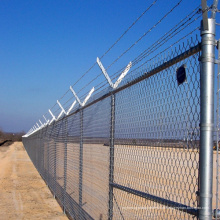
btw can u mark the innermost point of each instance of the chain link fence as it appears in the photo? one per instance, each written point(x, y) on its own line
point(157, 144)
point(133, 152)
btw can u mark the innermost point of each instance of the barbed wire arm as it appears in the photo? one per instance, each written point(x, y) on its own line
point(47, 121)
point(28, 133)
point(114, 86)
point(62, 110)
point(124, 73)
point(86, 99)
point(53, 117)
point(31, 131)
point(41, 123)
point(36, 128)
point(104, 72)
point(88, 96)
point(61, 107)
point(71, 107)
point(74, 93)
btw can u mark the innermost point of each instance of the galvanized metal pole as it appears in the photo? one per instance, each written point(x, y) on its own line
point(216, 212)
point(48, 167)
point(55, 162)
point(51, 179)
point(43, 153)
point(81, 165)
point(48, 156)
point(111, 159)
point(65, 162)
point(40, 154)
point(214, 8)
point(206, 120)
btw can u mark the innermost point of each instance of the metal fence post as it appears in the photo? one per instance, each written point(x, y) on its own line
point(81, 164)
point(55, 163)
point(206, 120)
point(52, 178)
point(48, 155)
point(111, 157)
point(217, 210)
point(48, 146)
point(39, 151)
point(43, 154)
point(65, 162)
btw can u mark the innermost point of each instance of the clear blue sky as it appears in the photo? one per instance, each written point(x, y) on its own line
point(45, 46)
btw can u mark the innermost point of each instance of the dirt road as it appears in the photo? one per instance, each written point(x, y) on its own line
point(23, 193)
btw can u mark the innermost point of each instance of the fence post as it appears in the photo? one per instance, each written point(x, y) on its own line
point(55, 162)
point(206, 120)
point(44, 154)
point(50, 175)
point(111, 157)
point(217, 210)
point(65, 162)
point(48, 156)
point(48, 146)
point(80, 164)
point(39, 152)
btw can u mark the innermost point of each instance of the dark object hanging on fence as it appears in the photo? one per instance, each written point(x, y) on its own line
point(181, 74)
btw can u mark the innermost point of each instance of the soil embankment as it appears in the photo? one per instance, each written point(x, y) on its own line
point(23, 193)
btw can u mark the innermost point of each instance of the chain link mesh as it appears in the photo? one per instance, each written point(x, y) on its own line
point(139, 161)
point(157, 142)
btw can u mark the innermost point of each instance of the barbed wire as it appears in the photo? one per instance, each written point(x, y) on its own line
point(101, 86)
point(152, 48)
point(167, 48)
point(124, 33)
point(171, 10)
point(165, 38)
point(169, 35)
point(136, 42)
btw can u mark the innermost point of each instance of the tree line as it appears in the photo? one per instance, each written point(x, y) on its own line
point(9, 136)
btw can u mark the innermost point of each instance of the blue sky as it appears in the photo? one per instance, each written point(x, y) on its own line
point(45, 46)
